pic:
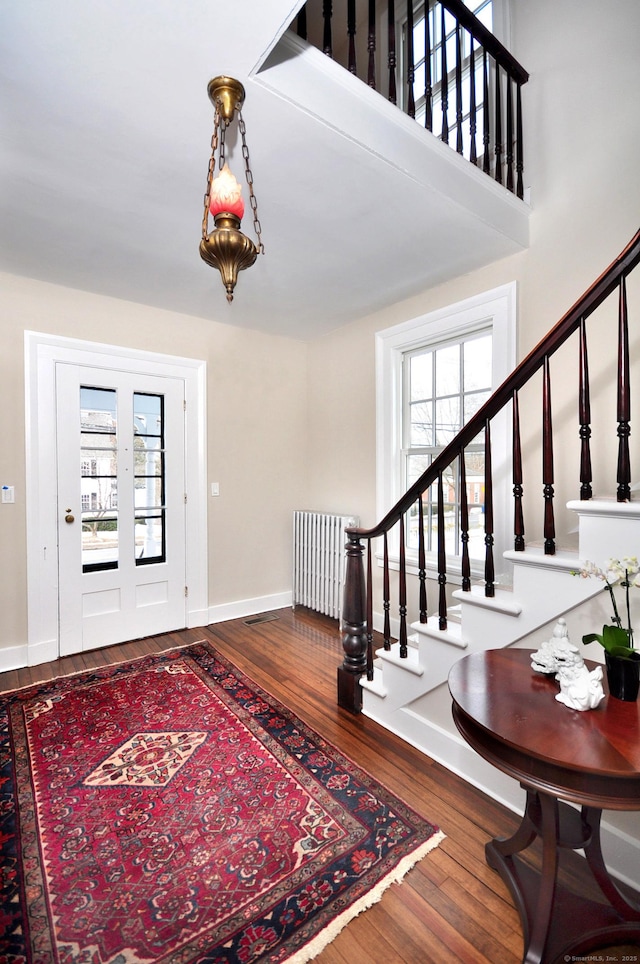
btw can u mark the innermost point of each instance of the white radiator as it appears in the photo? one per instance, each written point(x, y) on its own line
point(319, 560)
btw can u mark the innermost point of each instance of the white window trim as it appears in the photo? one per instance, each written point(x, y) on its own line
point(498, 306)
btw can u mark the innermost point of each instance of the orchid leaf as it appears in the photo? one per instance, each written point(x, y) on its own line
point(592, 638)
point(612, 638)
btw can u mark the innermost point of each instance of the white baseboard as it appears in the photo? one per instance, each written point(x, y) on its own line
point(14, 657)
point(249, 607)
point(622, 852)
point(17, 657)
point(197, 617)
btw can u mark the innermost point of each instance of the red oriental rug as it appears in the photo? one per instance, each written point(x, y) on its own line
point(169, 810)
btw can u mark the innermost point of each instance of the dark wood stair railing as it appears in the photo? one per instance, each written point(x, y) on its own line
point(502, 75)
point(358, 602)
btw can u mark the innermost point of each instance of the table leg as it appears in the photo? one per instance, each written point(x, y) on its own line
point(550, 825)
point(535, 906)
point(524, 835)
point(551, 934)
point(628, 910)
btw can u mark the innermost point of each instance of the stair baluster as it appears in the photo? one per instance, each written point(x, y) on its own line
point(444, 78)
point(584, 415)
point(473, 110)
point(351, 33)
point(422, 566)
point(411, 73)
point(386, 601)
point(402, 594)
point(486, 133)
point(547, 462)
point(393, 96)
point(327, 41)
point(518, 514)
point(489, 567)
point(465, 563)
point(371, 45)
point(369, 614)
point(459, 112)
point(519, 143)
point(509, 152)
point(624, 399)
point(442, 559)
point(428, 80)
point(301, 23)
point(498, 123)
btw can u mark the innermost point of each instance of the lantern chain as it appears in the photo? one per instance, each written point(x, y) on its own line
point(252, 198)
point(212, 164)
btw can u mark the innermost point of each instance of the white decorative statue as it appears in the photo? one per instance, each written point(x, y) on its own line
point(580, 689)
point(554, 652)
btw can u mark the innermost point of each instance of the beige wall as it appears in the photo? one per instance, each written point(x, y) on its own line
point(256, 433)
point(582, 141)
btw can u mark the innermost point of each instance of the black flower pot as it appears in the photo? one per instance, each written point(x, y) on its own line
point(623, 676)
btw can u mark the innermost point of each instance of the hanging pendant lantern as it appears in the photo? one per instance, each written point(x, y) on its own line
point(226, 247)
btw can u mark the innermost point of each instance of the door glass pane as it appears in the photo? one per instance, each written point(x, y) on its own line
point(149, 478)
point(98, 478)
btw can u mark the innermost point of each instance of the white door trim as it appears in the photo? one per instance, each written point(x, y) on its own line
point(42, 353)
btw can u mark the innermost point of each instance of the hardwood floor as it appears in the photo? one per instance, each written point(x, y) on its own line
point(451, 906)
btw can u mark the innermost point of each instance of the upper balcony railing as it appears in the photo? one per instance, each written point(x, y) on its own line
point(442, 66)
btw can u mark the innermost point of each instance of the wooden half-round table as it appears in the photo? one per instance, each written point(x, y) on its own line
point(508, 714)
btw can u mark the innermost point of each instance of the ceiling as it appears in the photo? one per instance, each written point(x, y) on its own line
point(104, 146)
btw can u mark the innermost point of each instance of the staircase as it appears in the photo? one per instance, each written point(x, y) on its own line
point(544, 588)
point(402, 684)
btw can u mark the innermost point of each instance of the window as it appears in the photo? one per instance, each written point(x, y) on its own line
point(444, 385)
point(432, 374)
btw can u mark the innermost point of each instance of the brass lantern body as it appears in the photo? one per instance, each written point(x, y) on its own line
point(228, 250)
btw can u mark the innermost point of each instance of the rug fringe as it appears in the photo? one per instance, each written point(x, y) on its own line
point(317, 944)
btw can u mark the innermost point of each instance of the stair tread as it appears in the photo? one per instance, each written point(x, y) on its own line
point(452, 634)
point(503, 601)
point(535, 556)
point(410, 663)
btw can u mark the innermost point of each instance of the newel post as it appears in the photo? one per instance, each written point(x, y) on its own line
point(354, 638)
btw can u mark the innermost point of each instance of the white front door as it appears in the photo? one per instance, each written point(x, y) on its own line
point(120, 504)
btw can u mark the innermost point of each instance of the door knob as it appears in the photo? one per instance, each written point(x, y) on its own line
point(69, 518)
